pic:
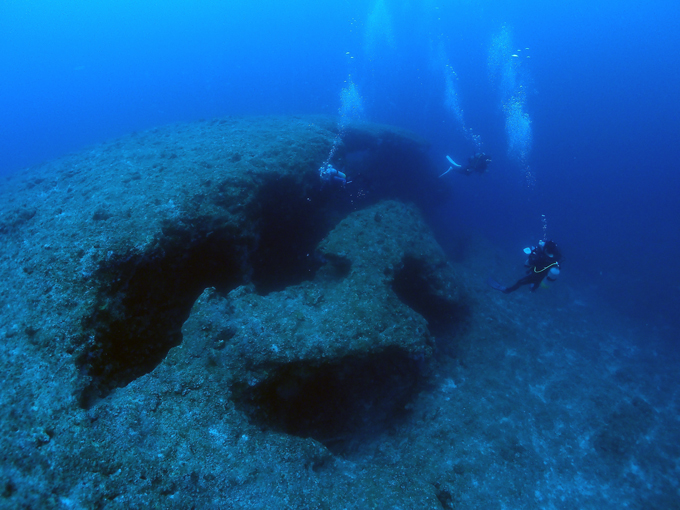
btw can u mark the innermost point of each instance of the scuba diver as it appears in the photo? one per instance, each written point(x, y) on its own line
point(329, 174)
point(543, 262)
point(477, 163)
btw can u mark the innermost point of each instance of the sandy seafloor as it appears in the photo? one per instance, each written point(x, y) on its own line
point(547, 400)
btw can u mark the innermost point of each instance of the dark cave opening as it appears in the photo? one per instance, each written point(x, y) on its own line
point(144, 300)
point(339, 404)
point(293, 218)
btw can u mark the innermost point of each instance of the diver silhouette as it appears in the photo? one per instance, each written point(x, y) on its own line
point(543, 262)
point(475, 164)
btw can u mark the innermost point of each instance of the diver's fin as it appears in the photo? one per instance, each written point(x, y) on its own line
point(452, 162)
point(450, 168)
point(495, 285)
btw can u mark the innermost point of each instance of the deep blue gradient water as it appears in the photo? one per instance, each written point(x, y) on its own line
point(583, 124)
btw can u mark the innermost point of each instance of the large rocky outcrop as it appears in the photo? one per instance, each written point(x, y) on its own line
point(188, 310)
point(190, 320)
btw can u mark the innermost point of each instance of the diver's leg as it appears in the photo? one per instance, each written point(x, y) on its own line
point(513, 288)
point(520, 282)
point(536, 281)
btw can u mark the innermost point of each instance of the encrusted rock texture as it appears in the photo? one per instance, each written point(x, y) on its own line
point(191, 318)
point(191, 311)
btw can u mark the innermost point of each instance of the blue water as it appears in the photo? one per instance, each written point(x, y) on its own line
point(582, 124)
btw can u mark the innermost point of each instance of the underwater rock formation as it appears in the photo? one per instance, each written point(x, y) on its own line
point(190, 319)
point(187, 313)
point(309, 358)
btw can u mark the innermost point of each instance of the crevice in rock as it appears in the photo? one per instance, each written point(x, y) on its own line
point(340, 404)
point(145, 298)
point(293, 217)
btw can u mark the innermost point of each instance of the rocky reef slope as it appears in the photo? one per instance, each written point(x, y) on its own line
point(190, 319)
point(191, 307)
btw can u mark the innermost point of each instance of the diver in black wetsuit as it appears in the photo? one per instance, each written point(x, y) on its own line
point(476, 164)
point(543, 262)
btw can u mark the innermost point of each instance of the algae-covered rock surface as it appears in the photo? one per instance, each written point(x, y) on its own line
point(209, 263)
point(191, 318)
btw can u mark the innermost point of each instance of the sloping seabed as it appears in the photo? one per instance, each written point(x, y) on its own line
point(190, 320)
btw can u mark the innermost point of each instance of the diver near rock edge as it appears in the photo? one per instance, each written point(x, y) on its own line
point(475, 164)
point(543, 262)
point(329, 174)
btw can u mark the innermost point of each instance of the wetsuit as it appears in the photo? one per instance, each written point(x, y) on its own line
point(477, 163)
point(539, 264)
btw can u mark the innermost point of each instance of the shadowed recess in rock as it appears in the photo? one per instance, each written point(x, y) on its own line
point(291, 226)
point(339, 404)
point(144, 300)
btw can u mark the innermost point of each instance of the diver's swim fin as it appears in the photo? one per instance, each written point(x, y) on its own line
point(495, 285)
point(453, 163)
